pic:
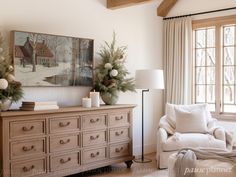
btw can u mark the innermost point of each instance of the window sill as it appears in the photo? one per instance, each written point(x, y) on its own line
point(225, 116)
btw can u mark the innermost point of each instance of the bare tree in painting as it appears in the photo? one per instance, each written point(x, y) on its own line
point(74, 49)
point(57, 43)
point(34, 39)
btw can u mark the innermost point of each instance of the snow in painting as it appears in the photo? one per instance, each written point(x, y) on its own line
point(50, 60)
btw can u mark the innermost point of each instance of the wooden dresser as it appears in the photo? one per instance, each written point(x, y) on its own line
point(65, 141)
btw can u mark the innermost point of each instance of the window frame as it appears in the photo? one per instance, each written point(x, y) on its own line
point(218, 23)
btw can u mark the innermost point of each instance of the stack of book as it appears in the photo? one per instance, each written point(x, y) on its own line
point(38, 105)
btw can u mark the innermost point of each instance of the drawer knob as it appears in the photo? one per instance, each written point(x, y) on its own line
point(28, 148)
point(119, 133)
point(119, 149)
point(26, 169)
point(94, 155)
point(64, 142)
point(94, 121)
point(27, 129)
point(61, 124)
point(119, 118)
point(93, 138)
point(65, 161)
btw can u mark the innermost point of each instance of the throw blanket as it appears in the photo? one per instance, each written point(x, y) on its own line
point(170, 129)
point(186, 159)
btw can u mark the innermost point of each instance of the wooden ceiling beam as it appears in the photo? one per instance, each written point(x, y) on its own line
point(165, 7)
point(115, 4)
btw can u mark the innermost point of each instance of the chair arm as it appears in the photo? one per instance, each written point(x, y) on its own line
point(162, 134)
point(212, 123)
point(219, 134)
point(161, 138)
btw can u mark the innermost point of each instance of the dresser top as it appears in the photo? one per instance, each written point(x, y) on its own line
point(11, 113)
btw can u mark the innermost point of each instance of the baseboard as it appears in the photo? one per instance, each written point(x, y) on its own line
point(149, 148)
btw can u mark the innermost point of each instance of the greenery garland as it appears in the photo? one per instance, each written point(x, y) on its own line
point(110, 73)
point(9, 87)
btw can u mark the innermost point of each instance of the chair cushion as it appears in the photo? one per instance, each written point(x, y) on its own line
point(193, 121)
point(192, 140)
point(170, 111)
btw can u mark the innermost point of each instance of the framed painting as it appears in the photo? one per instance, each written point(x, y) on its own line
point(52, 60)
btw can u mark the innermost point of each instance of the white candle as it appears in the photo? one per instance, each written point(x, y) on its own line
point(95, 98)
point(86, 102)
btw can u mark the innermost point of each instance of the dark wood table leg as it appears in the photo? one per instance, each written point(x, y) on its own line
point(129, 163)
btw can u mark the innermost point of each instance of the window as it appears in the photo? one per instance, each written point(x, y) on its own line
point(205, 66)
point(229, 101)
point(215, 64)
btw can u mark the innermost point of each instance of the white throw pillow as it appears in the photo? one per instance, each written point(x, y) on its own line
point(193, 121)
point(170, 111)
point(170, 114)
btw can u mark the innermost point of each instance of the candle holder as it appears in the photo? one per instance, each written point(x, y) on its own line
point(86, 102)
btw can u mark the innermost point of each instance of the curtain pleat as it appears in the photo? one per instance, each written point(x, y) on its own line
point(178, 60)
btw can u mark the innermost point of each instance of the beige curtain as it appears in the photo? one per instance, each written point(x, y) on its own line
point(178, 60)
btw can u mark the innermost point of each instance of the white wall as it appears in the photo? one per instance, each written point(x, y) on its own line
point(183, 7)
point(137, 27)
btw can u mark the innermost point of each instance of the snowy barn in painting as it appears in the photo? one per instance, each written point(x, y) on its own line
point(52, 60)
point(44, 56)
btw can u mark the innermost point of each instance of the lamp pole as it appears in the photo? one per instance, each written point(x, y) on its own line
point(146, 79)
point(142, 159)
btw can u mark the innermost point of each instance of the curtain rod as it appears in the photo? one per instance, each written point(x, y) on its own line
point(200, 13)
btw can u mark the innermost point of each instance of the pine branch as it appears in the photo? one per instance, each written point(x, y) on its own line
point(14, 89)
point(115, 56)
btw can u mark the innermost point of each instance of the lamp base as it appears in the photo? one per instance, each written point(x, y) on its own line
point(144, 160)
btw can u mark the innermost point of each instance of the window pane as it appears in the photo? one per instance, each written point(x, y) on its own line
point(229, 35)
point(229, 75)
point(229, 94)
point(200, 38)
point(230, 108)
point(200, 57)
point(211, 37)
point(200, 75)
point(210, 75)
point(200, 93)
point(211, 57)
point(229, 56)
point(211, 94)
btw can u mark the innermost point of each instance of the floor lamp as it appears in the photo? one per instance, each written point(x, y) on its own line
point(145, 80)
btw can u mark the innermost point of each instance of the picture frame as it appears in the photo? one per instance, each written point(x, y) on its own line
point(46, 60)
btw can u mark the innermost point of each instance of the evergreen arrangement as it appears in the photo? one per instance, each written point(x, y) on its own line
point(9, 87)
point(110, 73)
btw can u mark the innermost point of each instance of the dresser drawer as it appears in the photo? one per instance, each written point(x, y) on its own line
point(94, 121)
point(119, 150)
point(29, 147)
point(60, 162)
point(92, 138)
point(118, 119)
point(59, 143)
point(118, 134)
point(61, 125)
point(94, 155)
point(29, 168)
point(23, 128)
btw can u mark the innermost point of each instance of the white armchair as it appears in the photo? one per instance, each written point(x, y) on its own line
point(170, 140)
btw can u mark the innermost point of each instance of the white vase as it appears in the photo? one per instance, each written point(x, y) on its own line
point(5, 104)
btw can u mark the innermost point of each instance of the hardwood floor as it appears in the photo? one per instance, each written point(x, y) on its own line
point(120, 170)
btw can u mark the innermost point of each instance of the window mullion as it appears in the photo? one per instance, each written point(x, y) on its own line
point(234, 63)
point(218, 69)
point(206, 65)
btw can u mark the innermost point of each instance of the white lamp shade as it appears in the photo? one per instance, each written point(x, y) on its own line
point(149, 79)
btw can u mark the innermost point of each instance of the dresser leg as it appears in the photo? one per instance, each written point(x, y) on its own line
point(129, 163)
